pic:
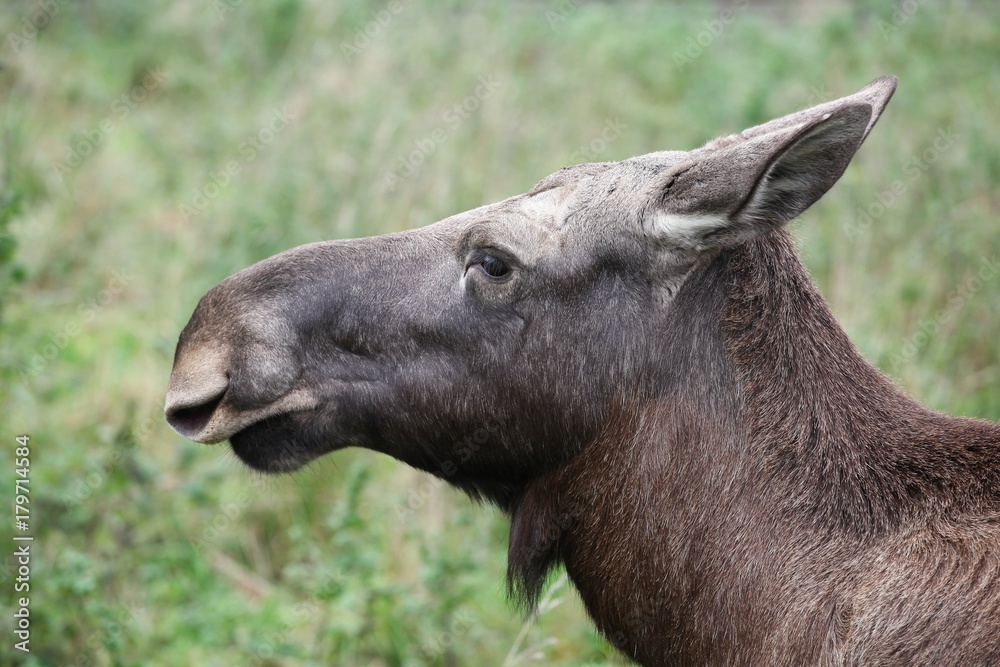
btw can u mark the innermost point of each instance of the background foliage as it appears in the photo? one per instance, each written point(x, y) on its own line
point(148, 150)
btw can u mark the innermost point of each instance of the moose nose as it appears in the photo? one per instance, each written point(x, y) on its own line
point(190, 407)
point(190, 415)
point(216, 391)
point(198, 384)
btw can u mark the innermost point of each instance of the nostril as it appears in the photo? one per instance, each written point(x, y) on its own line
point(191, 420)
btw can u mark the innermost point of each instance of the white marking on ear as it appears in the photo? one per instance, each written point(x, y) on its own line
point(687, 229)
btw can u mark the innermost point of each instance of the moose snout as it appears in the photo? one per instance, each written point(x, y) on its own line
point(217, 390)
point(198, 384)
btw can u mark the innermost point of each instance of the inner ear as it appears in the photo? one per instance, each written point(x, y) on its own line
point(736, 188)
point(805, 168)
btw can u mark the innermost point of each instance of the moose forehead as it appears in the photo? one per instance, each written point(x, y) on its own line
point(611, 196)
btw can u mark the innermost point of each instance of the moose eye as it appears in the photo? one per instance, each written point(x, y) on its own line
point(492, 266)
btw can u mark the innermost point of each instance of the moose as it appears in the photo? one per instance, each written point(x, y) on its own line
point(676, 416)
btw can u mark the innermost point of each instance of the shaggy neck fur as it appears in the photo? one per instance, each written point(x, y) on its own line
point(773, 456)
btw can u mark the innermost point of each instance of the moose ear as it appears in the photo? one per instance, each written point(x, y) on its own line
point(736, 187)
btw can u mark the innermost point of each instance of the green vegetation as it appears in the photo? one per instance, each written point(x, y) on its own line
point(149, 149)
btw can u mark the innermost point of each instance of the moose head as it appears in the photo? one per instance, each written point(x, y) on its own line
point(541, 313)
point(647, 368)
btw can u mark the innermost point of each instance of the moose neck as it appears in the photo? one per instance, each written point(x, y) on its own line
point(768, 427)
point(854, 453)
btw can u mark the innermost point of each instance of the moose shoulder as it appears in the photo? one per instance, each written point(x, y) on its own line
point(683, 423)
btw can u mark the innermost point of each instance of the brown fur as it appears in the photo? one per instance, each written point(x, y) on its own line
point(806, 514)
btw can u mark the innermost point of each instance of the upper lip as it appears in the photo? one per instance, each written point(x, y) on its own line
point(215, 420)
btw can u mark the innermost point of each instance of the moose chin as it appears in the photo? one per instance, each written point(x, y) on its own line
point(675, 415)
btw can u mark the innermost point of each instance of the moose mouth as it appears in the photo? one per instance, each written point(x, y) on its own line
point(278, 443)
point(269, 445)
point(212, 415)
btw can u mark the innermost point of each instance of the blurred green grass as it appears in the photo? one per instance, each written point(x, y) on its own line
point(120, 123)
